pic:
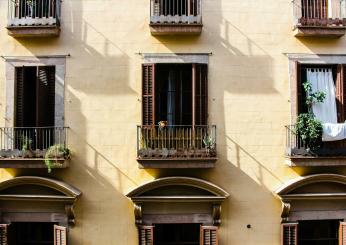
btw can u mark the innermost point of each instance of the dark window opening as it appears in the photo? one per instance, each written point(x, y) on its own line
point(34, 106)
point(35, 8)
point(176, 234)
point(318, 232)
point(174, 94)
point(315, 9)
point(177, 7)
point(25, 233)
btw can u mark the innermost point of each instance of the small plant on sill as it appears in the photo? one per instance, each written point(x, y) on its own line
point(209, 143)
point(308, 127)
point(55, 152)
point(26, 143)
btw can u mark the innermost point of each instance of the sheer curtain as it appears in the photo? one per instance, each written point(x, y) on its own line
point(322, 81)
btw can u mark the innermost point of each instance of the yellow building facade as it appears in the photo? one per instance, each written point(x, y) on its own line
point(99, 52)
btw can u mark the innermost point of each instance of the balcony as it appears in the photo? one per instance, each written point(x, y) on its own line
point(328, 154)
point(319, 18)
point(175, 17)
point(33, 147)
point(33, 18)
point(176, 146)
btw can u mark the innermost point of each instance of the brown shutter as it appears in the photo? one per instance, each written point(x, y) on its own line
point(299, 87)
point(60, 235)
point(289, 234)
point(200, 94)
point(19, 96)
point(45, 105)
point(342, 233)
point(3, 234)
point(146, 235)
point(148, 95)
point(209, 235)
point(339, 94)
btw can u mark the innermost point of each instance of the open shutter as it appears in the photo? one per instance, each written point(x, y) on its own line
point(3, 234)
point(200, 94)
point(209, 235)
point(289, 232)
point(342, 233)
point(148, 95)
point(339, 93)
point(19, 97)
point(45, 96)
point(146, 235)
point(60, 235)
point(298, 78)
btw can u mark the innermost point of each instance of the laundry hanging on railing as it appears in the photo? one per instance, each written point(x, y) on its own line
point(322, 81)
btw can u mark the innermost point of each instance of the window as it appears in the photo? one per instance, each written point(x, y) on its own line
point(315, 9)
point(35, 8)
point(34, 106)
point(26, 233)
point(318, 232)
point(176, 7)
point(175, 93)
point(177, 234)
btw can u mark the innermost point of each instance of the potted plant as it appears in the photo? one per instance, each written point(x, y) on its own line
point(209, 143)
point(55, 152)
point(308, 127)
point(26, 143)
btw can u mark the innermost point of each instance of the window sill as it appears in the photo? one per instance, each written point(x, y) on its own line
point(33, 31)
point(320, 31)
point(161, 29)
point(178, 163)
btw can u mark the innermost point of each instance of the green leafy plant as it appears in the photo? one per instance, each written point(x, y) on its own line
point(308, 127)
point(309, 130)
point(209, 143)
point(26, 143)
point(54, 152)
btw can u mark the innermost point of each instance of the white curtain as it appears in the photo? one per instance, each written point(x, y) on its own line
point(321, 80)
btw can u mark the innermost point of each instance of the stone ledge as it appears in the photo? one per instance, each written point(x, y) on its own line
point(319, 31)
point(175, 29)
point(33, 31)
point(177, 163)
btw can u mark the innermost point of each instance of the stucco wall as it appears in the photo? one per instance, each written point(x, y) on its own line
point(248, 99)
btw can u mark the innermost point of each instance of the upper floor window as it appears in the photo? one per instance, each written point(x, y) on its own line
point(33, 18)
point(319, 17)
point(175, 17)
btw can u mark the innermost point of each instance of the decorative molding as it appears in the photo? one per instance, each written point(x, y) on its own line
point(286, 207)
point(138, 213)
point(175, 58)
point(69, 210)
point(217, 214)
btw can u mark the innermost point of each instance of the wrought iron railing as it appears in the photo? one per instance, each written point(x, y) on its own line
point(319, 12)
point(172, 142)
point(296, 147)
point(33, 12)
point(32, 141)
point(176, 12)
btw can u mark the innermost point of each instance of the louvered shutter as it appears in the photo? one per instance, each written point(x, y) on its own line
point(342, 233)
point(146, 235)
point(339, 95)
point(299, 102)
point(201, 94)
point(289, 232)
point(209, 235)
point(3, 234)
point(148, 95)
point(60, 235)
point(19, 95)
point(45, 96)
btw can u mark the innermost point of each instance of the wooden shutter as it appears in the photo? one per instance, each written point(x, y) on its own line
point(342, 233)
point(146, 235)
point(45, 105)
point(148, 95)
point(209, 235)
point(200, 94)
point(3, 234)
point(289, 232)
point(60, 235)
point(19, 97)
point(299, 86)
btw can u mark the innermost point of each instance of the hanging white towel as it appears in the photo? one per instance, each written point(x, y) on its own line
point(334, 131)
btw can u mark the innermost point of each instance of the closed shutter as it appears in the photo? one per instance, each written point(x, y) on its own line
point(19, 108)
point(60, 235)
point(146, 235)
point(3, 234)
point(289, 232)
point(148, 95)
point(209, 235)
point(342, 233)
point(45, 96)
point(200, 94)
point(339, 94)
